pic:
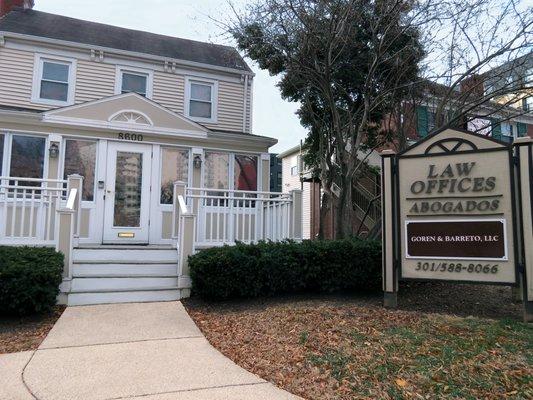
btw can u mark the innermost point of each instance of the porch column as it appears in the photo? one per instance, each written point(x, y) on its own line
point(179, 190)
point(64, 238)
point(265, 172)
point(75, 181)
point(186, 248)
point(297, 216)
point(524, 149)
point(390, 278)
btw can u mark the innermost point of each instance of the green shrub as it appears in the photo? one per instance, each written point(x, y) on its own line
point(267, 268)
point(29, 279)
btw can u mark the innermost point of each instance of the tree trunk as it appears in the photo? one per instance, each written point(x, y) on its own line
point(344, 212)
point(324, 208)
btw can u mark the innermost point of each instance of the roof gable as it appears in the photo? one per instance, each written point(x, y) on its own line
point(126, 111)
point(449, 141)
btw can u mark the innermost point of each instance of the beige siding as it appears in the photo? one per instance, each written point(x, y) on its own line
point(94, 81)
point(230, 106)
point(290, 182)
point(16, 78)
point(169, 91)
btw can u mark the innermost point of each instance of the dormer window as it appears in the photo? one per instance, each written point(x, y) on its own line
point(134, 80)
point(201, 100)
point(53, 81)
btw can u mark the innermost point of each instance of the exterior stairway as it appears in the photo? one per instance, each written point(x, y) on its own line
point(119, 274)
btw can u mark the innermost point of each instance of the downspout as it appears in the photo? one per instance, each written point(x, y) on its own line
point(245, 103)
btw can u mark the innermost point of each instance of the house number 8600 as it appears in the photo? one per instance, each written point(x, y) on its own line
point(130, 136)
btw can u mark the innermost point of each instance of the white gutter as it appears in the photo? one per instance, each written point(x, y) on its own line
point(66, 43)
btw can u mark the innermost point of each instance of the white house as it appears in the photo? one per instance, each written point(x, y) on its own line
point(127, 151)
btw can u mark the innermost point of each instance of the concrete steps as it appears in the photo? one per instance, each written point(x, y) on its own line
point(120, 274)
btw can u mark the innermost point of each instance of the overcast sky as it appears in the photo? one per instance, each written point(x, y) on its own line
point(190, 19)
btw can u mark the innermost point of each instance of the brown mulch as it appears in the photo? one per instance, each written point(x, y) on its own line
point(26, 333)
point(349, 347)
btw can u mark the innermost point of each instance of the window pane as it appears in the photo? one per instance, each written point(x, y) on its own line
point(174, 167)
point(245, 172)
point(216, 170)
point(200, 109)
point(80, 158)
point(1, 153)
point(134, 83)
point(54, 91)
point(128, 189)
point(27, 157)
point(200, 92)
point(55, 72)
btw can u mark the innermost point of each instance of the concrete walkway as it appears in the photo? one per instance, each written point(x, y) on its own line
point(142, 351)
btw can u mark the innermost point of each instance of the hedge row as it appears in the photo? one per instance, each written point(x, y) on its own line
point(29, 279)
point(267, 268)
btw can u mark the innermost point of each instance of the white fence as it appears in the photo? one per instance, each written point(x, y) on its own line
point(27, 209)
point(226, 216)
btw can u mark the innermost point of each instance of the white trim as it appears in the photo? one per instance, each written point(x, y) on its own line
point(115, 126)
point(148, 73)
point(37, 78)
point(480, 219)
point(66, 43)
point(214, 99)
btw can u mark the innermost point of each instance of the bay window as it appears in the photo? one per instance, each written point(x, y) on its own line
point(174, 167)
point(80, 158)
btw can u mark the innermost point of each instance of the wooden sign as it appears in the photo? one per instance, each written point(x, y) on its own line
point(450, 212)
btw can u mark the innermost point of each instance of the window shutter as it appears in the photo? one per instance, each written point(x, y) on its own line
point(496, 129)
point(522, 129)
point(422, 121)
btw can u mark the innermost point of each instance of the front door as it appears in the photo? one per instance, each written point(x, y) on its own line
point(127, 197)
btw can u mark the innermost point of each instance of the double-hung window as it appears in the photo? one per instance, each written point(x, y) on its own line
point(134, 80)
point(201, 100)
point(53, 81)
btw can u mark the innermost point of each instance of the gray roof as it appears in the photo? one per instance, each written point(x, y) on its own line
point(52, 26)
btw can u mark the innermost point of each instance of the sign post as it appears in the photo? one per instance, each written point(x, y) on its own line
point(451, 211)
point(524, 150)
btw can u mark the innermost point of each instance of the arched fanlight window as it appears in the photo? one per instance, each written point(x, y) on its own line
point(131, 117)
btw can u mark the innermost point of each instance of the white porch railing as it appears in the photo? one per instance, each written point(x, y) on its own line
point(227, 216)
point(27, 207)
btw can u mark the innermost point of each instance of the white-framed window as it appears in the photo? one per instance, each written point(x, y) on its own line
point(79, 157)
point(201, 97)
point(174, 167)
point(134, 80)
point(54, 80)
point(2, 140)
point(25, 155)
point(231, 171)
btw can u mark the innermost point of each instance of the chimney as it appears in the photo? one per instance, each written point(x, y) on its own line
point(8, 5)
